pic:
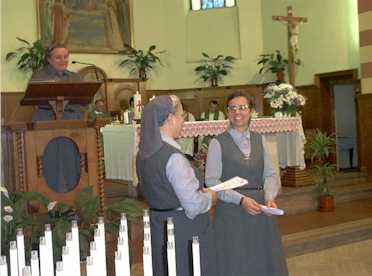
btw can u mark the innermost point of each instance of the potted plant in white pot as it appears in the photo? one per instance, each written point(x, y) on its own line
point(140, 62)
point(321, 148)
point(213, 69)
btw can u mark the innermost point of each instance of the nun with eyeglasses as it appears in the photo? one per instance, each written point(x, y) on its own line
point(171, 188)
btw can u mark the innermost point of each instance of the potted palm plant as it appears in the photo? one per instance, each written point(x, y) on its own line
point(274, 63)
point(321, 147)
point(213, 69)
point(139, 61)
point(31, 55)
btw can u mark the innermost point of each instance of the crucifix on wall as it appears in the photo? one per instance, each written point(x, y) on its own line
point(293, 26)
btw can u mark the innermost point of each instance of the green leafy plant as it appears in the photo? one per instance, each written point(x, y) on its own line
point(31, 211)
point(16, 213)
point(31, 55)
point(139, 61)
point(321, 147)
point(213, 69)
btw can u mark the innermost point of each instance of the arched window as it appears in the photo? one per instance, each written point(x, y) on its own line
point(197, 5)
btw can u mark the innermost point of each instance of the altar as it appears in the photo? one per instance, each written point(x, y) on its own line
point(284, 138)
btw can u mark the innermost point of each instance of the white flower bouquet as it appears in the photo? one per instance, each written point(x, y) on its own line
point(283, 99)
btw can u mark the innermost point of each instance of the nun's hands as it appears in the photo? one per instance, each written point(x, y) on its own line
point(213, 195)
point(251, 206)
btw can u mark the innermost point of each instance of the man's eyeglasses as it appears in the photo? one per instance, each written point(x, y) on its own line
point(234, 108)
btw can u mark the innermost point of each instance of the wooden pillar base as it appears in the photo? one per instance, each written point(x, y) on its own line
point(294, 177)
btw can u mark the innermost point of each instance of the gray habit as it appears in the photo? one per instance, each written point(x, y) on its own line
point(61, 158)
point(246, 244)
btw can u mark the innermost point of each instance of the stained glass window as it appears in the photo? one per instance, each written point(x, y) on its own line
point(211, 4)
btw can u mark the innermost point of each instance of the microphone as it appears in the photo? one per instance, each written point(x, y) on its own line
point(90, 64)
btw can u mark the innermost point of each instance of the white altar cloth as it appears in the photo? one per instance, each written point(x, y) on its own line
point(283, 136)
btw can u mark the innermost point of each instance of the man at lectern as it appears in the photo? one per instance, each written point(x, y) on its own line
point(56, 70)
point(61, 157)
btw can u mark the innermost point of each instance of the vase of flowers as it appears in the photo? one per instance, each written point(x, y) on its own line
point(284, 100)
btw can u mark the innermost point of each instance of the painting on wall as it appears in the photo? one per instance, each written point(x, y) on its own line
point(85, 26)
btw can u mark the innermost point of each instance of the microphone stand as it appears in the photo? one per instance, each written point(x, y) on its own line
point(90, 64)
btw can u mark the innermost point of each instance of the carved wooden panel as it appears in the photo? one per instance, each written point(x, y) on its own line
point(86, 141)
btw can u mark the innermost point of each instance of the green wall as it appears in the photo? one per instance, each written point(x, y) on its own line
point(327, 41)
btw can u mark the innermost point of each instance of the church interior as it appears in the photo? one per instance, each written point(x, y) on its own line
point(327, 51)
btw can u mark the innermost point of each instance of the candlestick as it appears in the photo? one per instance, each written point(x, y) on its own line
point(196, 256)
point(35, 271)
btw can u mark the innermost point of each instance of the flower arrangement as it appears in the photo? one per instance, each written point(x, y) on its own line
point(283, 99)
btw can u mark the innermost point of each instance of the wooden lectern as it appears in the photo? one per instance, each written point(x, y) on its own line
point(32, 140)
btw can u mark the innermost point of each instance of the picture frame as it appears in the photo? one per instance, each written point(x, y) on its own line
point(86, 26)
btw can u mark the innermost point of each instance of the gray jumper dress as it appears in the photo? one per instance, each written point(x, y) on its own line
point(163, 203)
point(246, 244)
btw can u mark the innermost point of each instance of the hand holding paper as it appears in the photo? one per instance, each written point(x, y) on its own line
point(230, 184)
point(272, 211)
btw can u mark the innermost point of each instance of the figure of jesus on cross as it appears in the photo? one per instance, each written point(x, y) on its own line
point(293, 23)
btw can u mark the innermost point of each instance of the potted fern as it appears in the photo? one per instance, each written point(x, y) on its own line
point(139, 61)
point(274, 63)
point(31, 55)
point(321, 147)
point(213, 69)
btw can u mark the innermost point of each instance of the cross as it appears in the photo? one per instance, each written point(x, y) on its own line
point(293, 23)
point(139, 106)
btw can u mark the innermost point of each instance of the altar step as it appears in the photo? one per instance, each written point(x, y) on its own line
point(315, 231)
point(344, 186)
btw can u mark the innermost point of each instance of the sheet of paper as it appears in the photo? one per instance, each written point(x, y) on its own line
point(232, 183)
point(272, 211)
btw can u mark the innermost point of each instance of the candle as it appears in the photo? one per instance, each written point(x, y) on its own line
point(91, 271)
point(123, 247)
point(99, 238)
point(13, 258)
point(171, 248)
point(3, 266)
point(49, 247)
point(147, 261)
point(137, 105)
point(124, 255)
point(171, 255)
point(20, 251)
point(35, 263)
point(59, 269)
point(196, 256)
point(126, 117)
point(75, 245)
point(94, 256)
point(66, 261)
point(119, 265)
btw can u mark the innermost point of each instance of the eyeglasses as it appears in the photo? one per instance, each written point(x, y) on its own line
point(234, 108)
